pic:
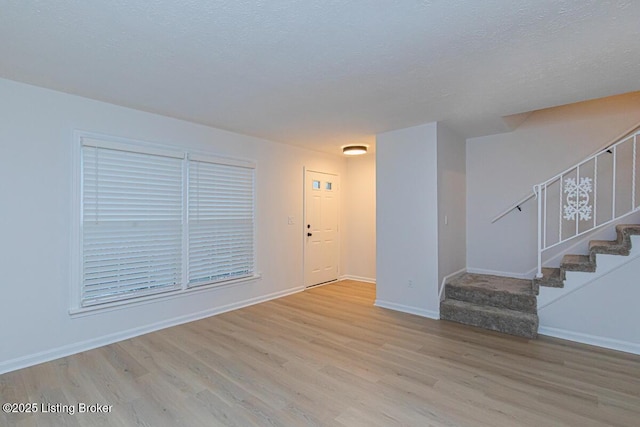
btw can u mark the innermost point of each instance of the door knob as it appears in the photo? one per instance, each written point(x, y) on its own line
point(309, 234)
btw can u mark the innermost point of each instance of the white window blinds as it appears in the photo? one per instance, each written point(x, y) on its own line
point(131, 224)
point(156, 220)
point(221, 222)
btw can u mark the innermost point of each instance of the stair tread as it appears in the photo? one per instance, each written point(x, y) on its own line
point(629, 228)
point(489, 283)
point(496, 291)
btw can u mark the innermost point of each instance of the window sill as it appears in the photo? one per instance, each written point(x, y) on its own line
point(77, 312)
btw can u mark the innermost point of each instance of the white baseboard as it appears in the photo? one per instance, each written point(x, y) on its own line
point(628, 347)
point(408, 309)
point(67, 350)
point(499, 273)
point(357, 278)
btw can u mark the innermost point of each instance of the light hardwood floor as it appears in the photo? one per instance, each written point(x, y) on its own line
point(327, 356)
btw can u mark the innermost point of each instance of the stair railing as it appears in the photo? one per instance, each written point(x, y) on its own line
point(518, 205)
point(591, 194)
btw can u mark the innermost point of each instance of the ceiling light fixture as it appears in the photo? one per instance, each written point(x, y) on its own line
point(354, 150)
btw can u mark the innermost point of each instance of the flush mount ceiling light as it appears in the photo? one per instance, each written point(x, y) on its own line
point(354, 150)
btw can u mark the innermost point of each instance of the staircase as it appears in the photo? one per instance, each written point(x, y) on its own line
point(509, 305)
point(597, 192)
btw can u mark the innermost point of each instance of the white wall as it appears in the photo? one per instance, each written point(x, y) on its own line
point(35, 227)
point(452, 193)
point(407, 220)
point(503, 168)
point(601, 312)
point(360, 218)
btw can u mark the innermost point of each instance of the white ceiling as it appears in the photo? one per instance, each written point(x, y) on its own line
point(323, 73)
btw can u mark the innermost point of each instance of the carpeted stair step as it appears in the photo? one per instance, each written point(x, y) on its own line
point(625, 231)
point(628, 229)
point(551, 277)
point(497, 319)
point(608, 247)
point(495, 291)
point(577, 263)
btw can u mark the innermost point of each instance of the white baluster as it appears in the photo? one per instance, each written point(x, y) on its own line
point(595, 191)
point(633, 173)
point(537, 190)
point(613, 198)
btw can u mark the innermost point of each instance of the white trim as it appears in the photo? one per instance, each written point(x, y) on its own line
point(171, 146)
point(498, 273)
point(211, 158)
point(67, 350)
point(444, 281)
point(613, 344)
point(357, 278)
point(319, 171)
point(75, 241)
point(317, 285)
point(110, 144)
point(408, 309)
point(186, 179)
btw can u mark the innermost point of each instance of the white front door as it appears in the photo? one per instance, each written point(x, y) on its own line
point(321, 238)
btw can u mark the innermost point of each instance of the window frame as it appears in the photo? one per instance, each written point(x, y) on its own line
point(186, 155)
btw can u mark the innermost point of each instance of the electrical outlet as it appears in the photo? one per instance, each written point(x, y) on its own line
point(290, 220)
point(410, 284)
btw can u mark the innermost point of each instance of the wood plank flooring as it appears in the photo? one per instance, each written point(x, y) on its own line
point(327, 356)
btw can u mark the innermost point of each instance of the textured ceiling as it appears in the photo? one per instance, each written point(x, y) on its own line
point(323, 73)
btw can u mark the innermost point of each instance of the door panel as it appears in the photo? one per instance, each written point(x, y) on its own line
point(321, 247)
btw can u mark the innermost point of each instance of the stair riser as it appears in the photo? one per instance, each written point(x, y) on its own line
point(607, 250)
point(525, 303)
point(577, 263)
point(506, 324)
point(553, 278)
point(549, 283)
